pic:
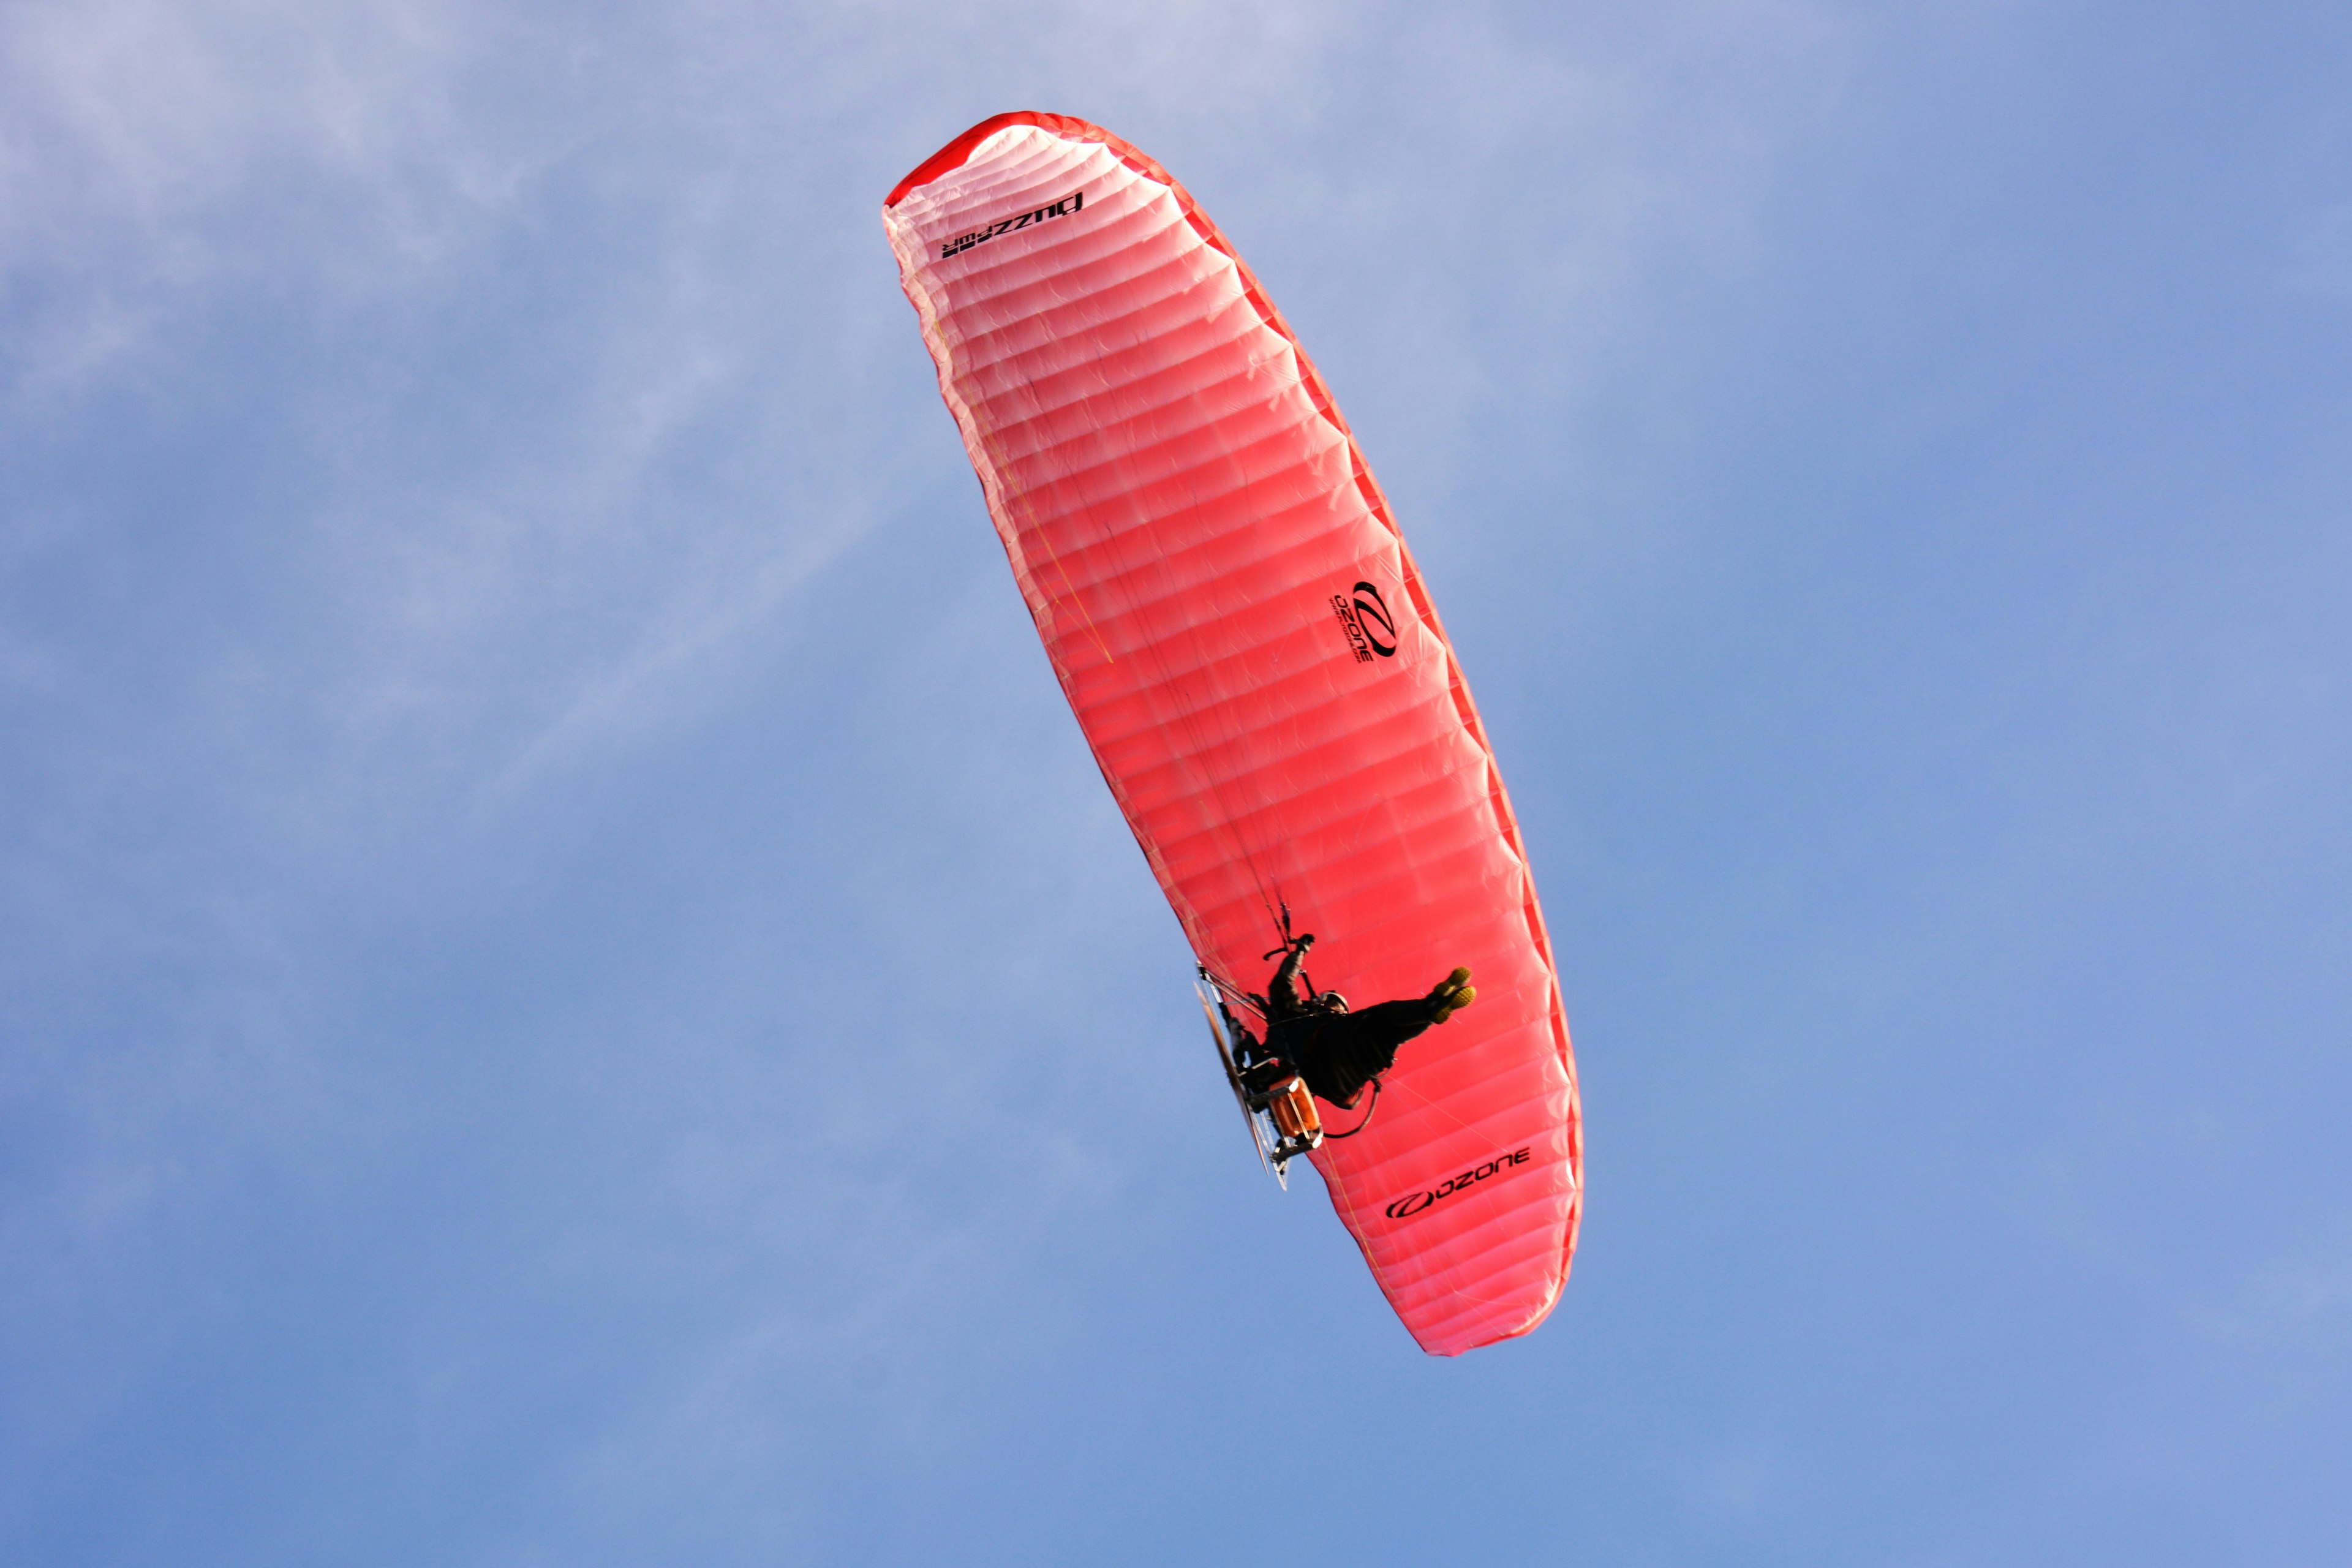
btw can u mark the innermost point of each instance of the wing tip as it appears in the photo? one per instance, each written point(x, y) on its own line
point(953, 155)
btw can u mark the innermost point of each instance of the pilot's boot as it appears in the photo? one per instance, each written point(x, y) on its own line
point(1450, 995)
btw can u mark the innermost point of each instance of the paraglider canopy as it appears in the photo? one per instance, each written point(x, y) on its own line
point(1254, 657)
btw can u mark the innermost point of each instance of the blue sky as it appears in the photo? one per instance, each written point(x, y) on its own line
point(569, 992)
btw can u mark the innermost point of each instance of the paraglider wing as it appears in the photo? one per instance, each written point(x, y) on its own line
point(1253, 659)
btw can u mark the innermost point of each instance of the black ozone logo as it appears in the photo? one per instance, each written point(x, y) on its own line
point(1364, 615)
point(1428, 1198)
point(1371, 610)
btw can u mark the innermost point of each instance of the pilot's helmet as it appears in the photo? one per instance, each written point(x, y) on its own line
point(1332, 1002)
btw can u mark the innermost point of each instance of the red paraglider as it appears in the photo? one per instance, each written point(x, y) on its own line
point(1255, 662)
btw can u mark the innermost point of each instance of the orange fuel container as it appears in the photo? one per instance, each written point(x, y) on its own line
point(1293, 1110)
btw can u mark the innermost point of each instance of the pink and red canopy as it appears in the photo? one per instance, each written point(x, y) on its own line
point(1251, 653)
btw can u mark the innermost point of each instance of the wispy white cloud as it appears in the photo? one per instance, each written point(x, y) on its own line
point(2287, 1300)
point(149, 151)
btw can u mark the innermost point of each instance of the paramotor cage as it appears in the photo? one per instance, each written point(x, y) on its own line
point(1283, 1121)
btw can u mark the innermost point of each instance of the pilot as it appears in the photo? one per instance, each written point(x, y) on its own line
point(1336, 1050)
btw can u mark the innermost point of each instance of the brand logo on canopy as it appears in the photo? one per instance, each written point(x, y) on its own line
point(963, 242)
point(1428, 1198)
point(1364, 616)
